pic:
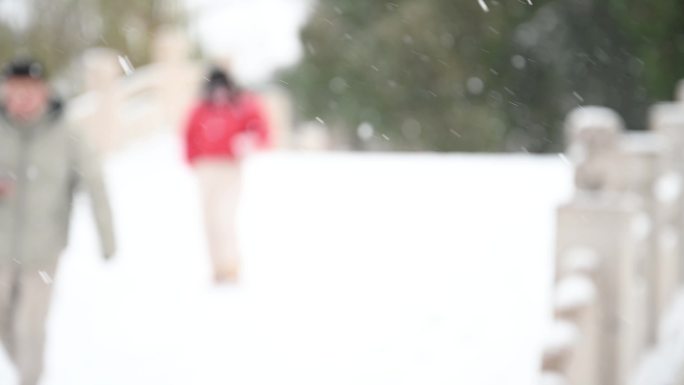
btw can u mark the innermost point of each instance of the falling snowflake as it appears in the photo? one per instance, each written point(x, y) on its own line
point(365, 131)
point(578, 96)
point(564, 159)
point(126, 65)
point(45, 277)
point(483, 5)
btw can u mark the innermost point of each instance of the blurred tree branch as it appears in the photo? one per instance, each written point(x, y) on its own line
point(444, 75)
point(58, 31)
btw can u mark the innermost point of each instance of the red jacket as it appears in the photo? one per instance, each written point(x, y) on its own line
point(212, 129)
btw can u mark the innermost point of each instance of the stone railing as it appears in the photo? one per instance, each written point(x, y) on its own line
point(619, 250)
point(122, 104)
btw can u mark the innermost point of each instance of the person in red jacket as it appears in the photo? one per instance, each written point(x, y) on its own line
point(224, 127)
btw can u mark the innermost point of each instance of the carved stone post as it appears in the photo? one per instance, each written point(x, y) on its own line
point(611, 221)
point(667, 119)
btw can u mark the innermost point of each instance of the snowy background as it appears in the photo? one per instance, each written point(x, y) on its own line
point(364, 269)
point(358, 269)
point(258, 36)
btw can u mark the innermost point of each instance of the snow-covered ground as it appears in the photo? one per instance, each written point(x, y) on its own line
point(358, 269)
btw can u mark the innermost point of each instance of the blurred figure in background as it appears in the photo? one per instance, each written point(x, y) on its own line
point(223, 128)
point(42, 163)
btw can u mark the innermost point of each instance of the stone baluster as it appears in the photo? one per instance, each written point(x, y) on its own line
point(667, 119)
point(636, 171)
point(573, 351)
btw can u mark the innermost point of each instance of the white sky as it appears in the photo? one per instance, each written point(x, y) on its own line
point(258, 36)
point(15, 12)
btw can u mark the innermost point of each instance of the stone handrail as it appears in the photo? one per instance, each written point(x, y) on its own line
point(619, 247)
point(122, 104)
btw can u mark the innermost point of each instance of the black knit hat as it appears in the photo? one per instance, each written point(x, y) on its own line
point(24, 67)
point(219, 78)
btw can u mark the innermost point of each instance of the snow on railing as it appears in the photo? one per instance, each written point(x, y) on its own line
point(620, 249)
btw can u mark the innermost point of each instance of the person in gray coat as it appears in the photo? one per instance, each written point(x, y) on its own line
point(43, 162)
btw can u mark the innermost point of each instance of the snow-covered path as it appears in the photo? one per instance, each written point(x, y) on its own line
point(359, 269)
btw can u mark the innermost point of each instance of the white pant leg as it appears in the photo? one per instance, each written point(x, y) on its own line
point(220, 186)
